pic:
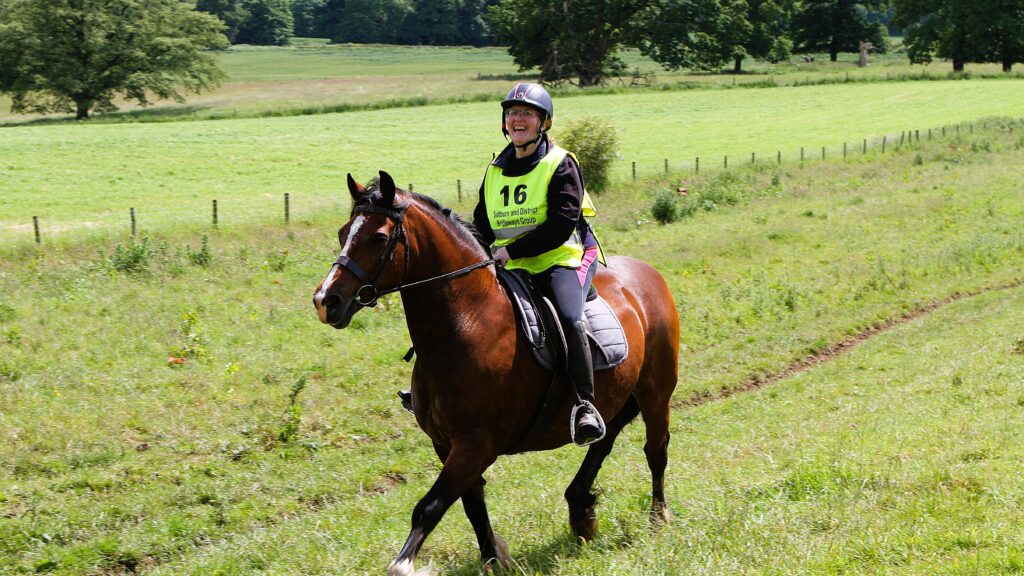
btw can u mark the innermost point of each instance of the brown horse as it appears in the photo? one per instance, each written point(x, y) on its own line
point(476, 386)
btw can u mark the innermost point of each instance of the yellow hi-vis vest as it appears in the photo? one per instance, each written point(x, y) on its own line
point(518, 204)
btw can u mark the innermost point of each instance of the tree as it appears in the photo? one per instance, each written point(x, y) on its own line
point(706, 34)
point(978, 31)
point(77, 55)
point(305, 15)
point(566, 38)
point(231, 12)
point(269, 23)
point(836, 26)
point(1006, 33)
point(357, 21)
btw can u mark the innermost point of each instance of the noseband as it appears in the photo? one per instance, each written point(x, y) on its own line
point(368, 294)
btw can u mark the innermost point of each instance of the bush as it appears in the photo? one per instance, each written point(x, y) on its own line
point(132, 258)
point(665, 208)
point(203, 256)
point(596, 144)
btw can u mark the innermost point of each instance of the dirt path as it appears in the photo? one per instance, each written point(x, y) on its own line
point(838, 349)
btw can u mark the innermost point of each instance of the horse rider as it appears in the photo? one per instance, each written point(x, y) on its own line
point(532, 210)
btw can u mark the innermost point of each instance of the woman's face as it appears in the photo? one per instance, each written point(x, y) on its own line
point(522, 123)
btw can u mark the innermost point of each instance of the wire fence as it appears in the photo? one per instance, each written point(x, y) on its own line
point(155, 215)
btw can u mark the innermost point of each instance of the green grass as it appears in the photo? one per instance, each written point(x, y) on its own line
point(898, 458)
point(86, 177)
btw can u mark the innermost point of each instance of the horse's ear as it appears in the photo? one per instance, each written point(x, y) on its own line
point(387, 188)
point(357, 190)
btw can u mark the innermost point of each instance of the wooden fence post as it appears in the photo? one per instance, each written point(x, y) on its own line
point(666, 165)
point(287, 208)
point(696, 165)
point(458, 186)
point(35, 226)
point(214, 213)
point(725, 162)
point(131, 213)
point(634, 170)
point(883, 144)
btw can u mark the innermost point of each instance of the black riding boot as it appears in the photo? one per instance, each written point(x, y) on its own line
point(586, 426)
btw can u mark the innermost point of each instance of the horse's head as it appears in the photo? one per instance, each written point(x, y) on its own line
point(372, 242)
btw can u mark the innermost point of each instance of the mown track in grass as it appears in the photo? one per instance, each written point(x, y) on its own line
point(832, 351)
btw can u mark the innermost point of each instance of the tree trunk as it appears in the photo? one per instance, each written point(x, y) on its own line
point(82, 106)
point(833, 55)
point(737, 63)
point(958, 64)
point(1007, 65)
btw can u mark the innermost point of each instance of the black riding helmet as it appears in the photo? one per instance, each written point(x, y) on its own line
point(533, 95)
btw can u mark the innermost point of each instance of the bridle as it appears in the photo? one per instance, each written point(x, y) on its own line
point(368, 294)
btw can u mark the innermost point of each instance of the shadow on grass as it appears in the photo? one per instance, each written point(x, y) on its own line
point(166, 113)
point(536, 559)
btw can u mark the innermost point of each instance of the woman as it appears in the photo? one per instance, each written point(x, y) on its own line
point(532, 211)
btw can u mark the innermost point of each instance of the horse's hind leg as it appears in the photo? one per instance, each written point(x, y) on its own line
point(582, 518)
point(492, 548)
point(656, 414)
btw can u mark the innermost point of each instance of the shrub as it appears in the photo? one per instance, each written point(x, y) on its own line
point(665, 208)
point(132, 258)
point(203, 256)
point(596, 144)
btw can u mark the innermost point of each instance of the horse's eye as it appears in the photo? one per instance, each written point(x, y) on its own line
point(379, 238)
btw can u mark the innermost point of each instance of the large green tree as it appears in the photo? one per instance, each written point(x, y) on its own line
point(231, 12)
point(306, 14)
point(835, 26)
point(270, 23)
point(976, 31)
point(566, 38)
point(77, 55)
point(360, 21)
point(707, 34)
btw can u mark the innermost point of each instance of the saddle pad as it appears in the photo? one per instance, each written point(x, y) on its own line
point(608, 344)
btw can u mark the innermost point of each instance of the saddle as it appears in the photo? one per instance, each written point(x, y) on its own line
point(537, 321)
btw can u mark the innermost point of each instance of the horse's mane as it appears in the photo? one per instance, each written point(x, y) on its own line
point(462, 226)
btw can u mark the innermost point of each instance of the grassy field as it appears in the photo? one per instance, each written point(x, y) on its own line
point(897, 458)
point(86, 177)
point(311, 76)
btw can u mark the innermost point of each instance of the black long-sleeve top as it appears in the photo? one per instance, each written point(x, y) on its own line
point(564, 211)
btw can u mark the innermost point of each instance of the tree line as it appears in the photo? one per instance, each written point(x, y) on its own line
point(77, 55)
point(579, 39)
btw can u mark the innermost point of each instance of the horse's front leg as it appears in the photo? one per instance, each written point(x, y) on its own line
point(461, 472)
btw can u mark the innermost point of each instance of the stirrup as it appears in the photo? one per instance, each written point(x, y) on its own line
point(406, 397)
point(588, 407)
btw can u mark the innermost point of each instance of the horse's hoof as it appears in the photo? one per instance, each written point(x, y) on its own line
point(406, 568)
point(585, 528)
point(504, 556)
point(660, 515)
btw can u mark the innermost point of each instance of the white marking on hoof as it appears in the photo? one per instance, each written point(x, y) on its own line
point(403, 568)
point(406, 568)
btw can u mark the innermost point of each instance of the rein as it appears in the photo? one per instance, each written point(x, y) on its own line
point(368, 294)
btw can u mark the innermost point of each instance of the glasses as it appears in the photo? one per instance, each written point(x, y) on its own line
point(521, 112)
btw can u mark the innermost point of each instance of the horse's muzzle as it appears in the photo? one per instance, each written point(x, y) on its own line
point(336, 312)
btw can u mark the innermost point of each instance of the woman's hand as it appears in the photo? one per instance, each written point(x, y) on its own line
point(501, 256)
